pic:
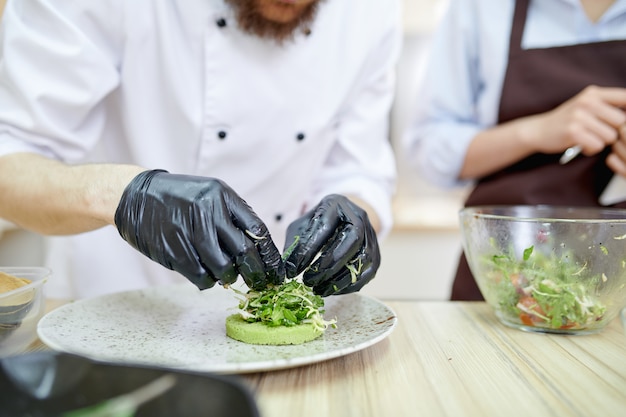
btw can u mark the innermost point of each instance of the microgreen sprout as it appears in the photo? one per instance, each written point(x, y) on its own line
point(355, 270)
point(291, 247)
point(253, 236)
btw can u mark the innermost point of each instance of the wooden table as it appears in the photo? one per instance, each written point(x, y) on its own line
point(455, 359)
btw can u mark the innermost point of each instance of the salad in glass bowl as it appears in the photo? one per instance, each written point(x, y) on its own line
point(548, 269)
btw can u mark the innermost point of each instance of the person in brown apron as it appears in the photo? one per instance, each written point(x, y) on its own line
point(537, 81)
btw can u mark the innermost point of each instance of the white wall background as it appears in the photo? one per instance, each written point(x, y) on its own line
point(421, 254)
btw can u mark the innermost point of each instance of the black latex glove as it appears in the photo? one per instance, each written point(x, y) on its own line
point(341, 233)
point(198, 227)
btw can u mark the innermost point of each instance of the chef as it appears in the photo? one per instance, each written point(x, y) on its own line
point(164, 140)
point(511, 85)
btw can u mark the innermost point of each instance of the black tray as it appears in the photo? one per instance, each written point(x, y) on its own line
point(45, 384)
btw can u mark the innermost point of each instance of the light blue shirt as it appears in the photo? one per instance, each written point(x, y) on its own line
point(460, 91)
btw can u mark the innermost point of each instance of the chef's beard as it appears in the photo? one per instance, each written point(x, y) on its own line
point(251, 20)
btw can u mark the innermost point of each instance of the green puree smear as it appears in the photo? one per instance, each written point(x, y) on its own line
point(546, 291)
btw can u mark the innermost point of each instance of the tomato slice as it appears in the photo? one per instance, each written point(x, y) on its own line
point(526, 319)
point(527, 315)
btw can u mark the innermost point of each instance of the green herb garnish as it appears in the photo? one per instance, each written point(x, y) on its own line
point(290, 249)
point(288, 304)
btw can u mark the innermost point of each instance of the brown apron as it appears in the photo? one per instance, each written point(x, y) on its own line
point(536, 81)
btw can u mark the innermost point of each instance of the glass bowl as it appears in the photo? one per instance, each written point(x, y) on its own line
point(546, 268)
point(21, 308)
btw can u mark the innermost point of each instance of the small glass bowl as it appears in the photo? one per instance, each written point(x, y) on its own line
point(21, 309)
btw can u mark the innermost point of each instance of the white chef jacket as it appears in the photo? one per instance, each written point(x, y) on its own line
point(174, 84)
point(460, 91)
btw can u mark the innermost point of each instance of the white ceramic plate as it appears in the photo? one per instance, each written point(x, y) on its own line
point(181, 327)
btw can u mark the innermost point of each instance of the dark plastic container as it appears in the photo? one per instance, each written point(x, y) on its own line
point(51, 383)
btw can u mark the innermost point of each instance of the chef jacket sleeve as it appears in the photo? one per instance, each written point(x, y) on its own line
point(57, 63)
point(361, 162)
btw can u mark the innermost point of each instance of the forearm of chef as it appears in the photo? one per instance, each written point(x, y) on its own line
point(52, 198)
point(496, 148)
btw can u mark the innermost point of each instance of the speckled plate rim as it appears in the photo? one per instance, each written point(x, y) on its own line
point(181, 327)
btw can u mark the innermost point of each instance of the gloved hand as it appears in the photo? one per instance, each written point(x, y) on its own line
point(341, 233)
point(198, 227)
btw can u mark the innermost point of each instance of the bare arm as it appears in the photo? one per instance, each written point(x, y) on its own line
point(591, 119)
point(53, 198)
